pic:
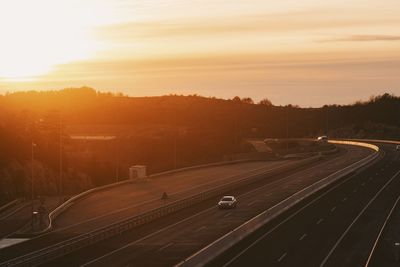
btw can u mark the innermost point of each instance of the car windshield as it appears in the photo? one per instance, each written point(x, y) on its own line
point(227, 199)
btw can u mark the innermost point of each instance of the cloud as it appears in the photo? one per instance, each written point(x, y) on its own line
point(240, 24)
point(365, 38)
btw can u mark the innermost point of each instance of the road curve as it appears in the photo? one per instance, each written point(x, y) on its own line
point(335, 228)
point(171, 239)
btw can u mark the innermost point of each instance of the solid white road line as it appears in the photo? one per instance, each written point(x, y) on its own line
point(380, 232)
point(354, 221)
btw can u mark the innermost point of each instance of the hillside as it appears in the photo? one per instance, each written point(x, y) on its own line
point(161, 132)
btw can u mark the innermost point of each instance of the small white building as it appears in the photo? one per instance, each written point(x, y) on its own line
point(137, 172)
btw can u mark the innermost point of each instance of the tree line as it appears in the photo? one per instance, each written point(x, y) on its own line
point(161, 132)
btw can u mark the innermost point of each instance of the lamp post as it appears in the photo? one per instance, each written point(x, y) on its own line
point(117, 159)
point(60, 184)
point(287, 128)
point(33, 145)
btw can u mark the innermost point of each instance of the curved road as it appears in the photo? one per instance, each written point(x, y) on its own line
point(171, 239)
point(337, 227)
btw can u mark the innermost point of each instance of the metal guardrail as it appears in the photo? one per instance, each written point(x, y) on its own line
point(78, 242)
point(222, 244)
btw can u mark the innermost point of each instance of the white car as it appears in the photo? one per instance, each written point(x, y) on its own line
point(227, 202)
point(398, 147)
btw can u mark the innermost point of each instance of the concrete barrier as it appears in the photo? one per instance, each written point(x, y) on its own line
point(222, 244)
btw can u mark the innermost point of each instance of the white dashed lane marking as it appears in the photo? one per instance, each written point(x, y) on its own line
point(201, 228)
point(281, 257)
point(229, 213)
point(302, 237)
point(164, 247)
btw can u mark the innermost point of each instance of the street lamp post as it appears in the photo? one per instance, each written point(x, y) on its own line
point(33, 145)
point(60, 184)
point(287, 128)
point(117, 159)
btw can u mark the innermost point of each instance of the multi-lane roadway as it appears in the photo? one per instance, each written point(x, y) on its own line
point(341, 226)
point(169, 240)
point(173, 238)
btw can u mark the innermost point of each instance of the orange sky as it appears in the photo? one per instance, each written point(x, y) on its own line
point(304, 52)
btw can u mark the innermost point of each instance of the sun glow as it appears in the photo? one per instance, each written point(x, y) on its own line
point(38, 35)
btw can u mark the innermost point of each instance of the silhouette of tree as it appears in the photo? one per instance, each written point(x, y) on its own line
point(247, 100)
point(236, 99)
point(265, 102)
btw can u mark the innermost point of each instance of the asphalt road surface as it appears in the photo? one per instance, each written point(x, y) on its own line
point(337, 227)
point(171, 239)
point(130, 198)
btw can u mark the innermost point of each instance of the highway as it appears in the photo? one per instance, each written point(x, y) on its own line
point(169, 240)
point(336, 227)
point(130, 198)
point(105, 207)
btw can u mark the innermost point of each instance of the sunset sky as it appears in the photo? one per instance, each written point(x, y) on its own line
point(306, 52)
